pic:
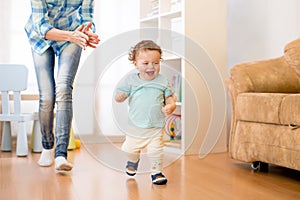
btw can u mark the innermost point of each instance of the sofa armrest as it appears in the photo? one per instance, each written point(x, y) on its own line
point(270, 76)
point(233, 97)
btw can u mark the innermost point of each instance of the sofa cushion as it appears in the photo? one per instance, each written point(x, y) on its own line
point(269, 108)
point(259, 107)
point(290, 109)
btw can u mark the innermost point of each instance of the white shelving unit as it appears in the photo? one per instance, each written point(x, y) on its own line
point(167, 14)
point(204, 25)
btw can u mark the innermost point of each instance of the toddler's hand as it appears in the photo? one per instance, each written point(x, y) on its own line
point(168, 109)
point(120, 97)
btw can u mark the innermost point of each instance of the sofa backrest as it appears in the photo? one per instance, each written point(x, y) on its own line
point(292, 55)
point(269, 76)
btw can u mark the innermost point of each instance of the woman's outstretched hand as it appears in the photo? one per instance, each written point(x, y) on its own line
point(93, 37)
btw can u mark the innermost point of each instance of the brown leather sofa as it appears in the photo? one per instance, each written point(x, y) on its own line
point(265, 104)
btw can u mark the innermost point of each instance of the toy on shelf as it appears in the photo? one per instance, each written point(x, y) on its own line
point(173, 126)
point(172, 134)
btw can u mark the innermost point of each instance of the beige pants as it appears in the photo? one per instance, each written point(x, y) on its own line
point(152, 139)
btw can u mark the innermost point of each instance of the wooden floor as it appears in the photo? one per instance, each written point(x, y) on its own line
point(213, 177)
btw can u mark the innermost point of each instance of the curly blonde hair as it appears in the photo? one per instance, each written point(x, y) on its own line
point(143, 46)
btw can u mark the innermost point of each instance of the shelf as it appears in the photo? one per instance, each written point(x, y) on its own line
point(173, 143)
point(149, 19)
point(171, 14)
point(149, 22)
point(178, 103)
point(172, 62)
point(170, 57)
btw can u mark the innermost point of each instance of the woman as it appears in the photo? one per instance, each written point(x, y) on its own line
point(58, 29)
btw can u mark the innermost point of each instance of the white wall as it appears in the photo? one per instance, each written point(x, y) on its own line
point(116, 16)
point(259, 29)
point(14, 46)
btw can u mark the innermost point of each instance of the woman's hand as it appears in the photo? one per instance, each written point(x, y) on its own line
point(93, 37)
point(76, 36)
point(82, 36)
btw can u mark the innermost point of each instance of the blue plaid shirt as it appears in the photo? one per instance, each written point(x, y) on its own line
point(60, 14)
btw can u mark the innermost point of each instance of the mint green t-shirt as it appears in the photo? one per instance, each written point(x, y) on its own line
point(145, 99)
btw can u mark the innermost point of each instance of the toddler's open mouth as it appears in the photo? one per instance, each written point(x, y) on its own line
point(150, 73)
